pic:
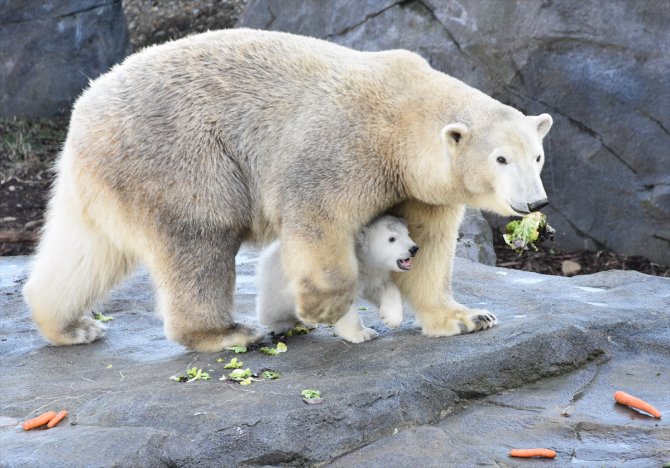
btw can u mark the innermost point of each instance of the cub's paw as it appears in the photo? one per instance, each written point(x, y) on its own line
point(282, 327)
point(358, 336)
point(391, 318)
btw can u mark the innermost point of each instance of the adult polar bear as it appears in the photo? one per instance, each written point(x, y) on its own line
point(188, 149)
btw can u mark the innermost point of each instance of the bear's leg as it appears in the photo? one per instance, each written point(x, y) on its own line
point(351, 328)
point(390, 306)
point(75, 266)
point(321, 267)
point(275, 305)
point(428, 285)
point(195, 281)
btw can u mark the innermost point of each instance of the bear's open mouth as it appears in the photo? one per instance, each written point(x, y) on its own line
point(405, 264)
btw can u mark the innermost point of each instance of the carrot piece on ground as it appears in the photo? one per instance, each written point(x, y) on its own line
point(535, 452)
point(57, 419)
point(40, 420)
point(624, 398)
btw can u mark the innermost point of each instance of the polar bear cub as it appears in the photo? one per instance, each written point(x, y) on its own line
point(382, 246)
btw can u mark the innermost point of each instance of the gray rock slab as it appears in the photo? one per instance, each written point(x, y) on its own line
point(125, 410)
point(50, 50)
point(599, 68)
point(574, 414)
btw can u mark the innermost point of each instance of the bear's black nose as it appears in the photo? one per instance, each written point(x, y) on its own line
point(414, 250)
point(538, 205)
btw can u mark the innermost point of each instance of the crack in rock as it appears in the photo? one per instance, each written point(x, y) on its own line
point(598, 243)
point(63, 15)
point(367, 17)
point(581, 125)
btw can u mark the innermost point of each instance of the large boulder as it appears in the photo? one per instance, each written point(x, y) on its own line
point(50, 50)
point(599, 68)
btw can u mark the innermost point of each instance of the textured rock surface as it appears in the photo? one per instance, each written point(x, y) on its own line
point(449, 397)
point(600, 68)
point(475, 239)
point(50, 49)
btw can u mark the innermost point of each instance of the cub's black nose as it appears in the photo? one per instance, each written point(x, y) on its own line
point(414, 250)
point(538, 205)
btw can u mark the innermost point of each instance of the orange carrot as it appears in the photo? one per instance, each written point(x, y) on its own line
point(40, 420)
point(535, 452)
point(57, 419)
point(624, 398)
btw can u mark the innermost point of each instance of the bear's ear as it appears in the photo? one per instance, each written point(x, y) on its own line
point(543, 122)
point(454, 133)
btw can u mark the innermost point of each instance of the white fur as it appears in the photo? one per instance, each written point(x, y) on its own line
point(379, 247)
point(71, 252)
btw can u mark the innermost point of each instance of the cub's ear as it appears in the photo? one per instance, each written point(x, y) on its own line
point(361, 235)
point(543, 122)
point(454, 133)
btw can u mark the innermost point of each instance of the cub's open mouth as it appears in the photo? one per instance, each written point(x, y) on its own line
point(405, 264)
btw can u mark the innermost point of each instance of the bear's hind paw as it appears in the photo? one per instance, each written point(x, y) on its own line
point(82, 331)
point(215, 341)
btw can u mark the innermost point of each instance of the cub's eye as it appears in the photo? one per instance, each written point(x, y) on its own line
point(501, 160)
point(539, 158)
point(391, 239)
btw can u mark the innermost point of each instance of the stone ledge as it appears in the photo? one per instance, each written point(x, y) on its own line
point(132, 414)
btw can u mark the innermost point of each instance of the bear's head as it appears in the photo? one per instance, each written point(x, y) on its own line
point(385, 245)
point(496, 162)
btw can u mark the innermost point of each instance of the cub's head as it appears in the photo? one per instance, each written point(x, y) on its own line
point(497, 161)
point(384, 244)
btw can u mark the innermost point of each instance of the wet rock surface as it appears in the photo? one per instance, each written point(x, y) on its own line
point(564, 345)
point(598, 68)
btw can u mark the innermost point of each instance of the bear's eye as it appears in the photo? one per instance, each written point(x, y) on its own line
point(391, 239)
point(539, 158)
point(501, 160)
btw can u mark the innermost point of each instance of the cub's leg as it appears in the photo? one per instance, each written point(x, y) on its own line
point(390, 306)
point(351, 328)
point(322, 270)
point(195, 281)
point(275, 305)
point(74, 267)
point(428, 285)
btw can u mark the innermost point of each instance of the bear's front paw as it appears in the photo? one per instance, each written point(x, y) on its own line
point(483, 319)
point(456, 321)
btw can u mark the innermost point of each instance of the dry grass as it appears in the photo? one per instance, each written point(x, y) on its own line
point(28, 147)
